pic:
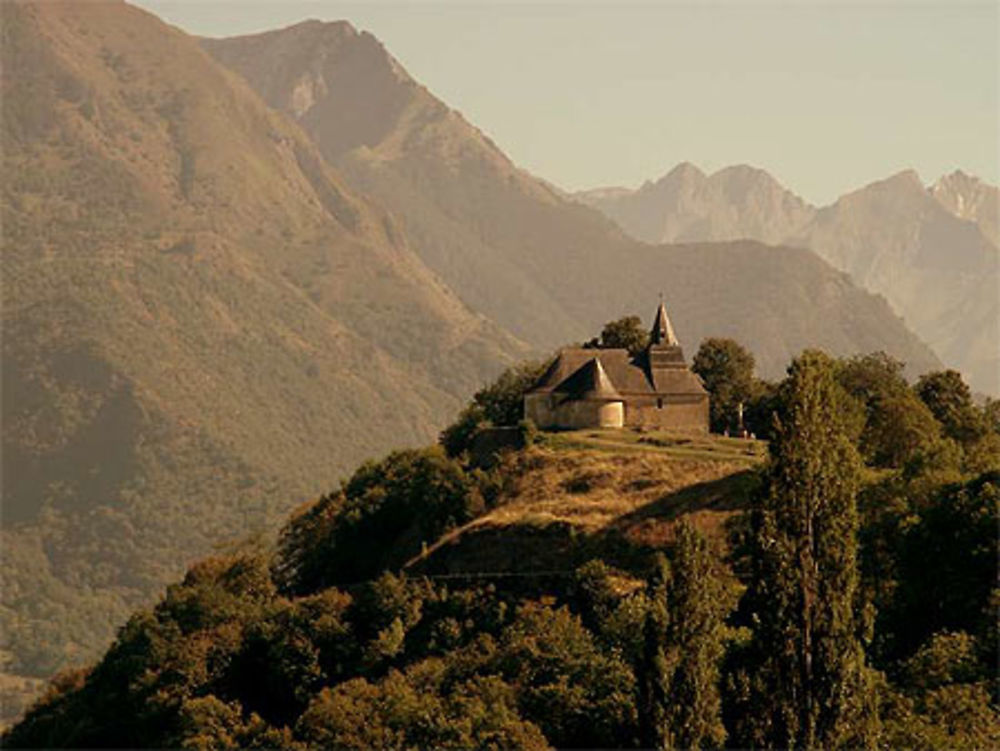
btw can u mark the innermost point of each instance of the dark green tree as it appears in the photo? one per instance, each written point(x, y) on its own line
point(726, 368)
point(809, 683)
point(991, 415)
point(948, 567)
point(377, 521)
point(950, 400)
point(898, 427)
point(501, 403)
point(624, 333)
point(658, 662)
point(942, 699)
point(685, 632)
point(699, 599)
point(758, 416)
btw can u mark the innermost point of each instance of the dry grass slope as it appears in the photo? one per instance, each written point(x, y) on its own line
point(609, 494)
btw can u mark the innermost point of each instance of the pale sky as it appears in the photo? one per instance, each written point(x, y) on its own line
point(825, 96)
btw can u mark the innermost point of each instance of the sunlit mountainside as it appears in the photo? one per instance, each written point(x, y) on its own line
point(202, 324)
point(234, 269)
point(545, 267)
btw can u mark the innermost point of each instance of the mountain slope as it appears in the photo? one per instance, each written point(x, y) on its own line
point(928, 251)
point(202, 325)
point(547, 268)
point(939, 271)
point(968, 197)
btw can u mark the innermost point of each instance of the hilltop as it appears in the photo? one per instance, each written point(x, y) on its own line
point(533, 521)
point(578, 495)
point(509, 596)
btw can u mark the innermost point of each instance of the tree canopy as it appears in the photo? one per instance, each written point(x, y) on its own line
point(624, 333)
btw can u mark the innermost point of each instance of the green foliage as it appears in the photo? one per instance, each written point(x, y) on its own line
point(656, 666)
point(616, 619)
point(947, 563)
point(809, 686)
point(579, 695)
point(943, 698)
point(501, 403)
point(950, 400)
point(209, 724)
point(699, 600)
point(759, 412)
point(899, 428)
point(726, 368)
point(378, 520)
point(991, 415)
point(402, 665)
point(457, 437)
point(260, 650)
point(625, 333)
point(685, 641)
point(416, 710)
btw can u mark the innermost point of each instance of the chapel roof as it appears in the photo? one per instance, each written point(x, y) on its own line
point(589, 382)
point(584, 373)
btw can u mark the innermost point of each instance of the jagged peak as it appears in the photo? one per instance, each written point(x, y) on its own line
point(310, 27)
point(903, 182)
point(903, 177)
point(745, 172)
point(686, 171)
point(958, 177)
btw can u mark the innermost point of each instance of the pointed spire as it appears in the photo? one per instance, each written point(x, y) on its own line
point(663, 331)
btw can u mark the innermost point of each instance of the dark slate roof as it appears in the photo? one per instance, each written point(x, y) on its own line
point(627, 375)
point(663, 331)
point(589, 382)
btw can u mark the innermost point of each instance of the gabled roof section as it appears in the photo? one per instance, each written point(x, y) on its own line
point(663, 331)
point(589, 382)
point(618, 365)
point(627, 376)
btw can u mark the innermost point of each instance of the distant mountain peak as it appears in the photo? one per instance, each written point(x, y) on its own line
point(970, 198)
point(743, 170)
point(317, 26)
point(685, 170)
point(904, 177)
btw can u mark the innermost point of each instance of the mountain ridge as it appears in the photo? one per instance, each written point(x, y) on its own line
point(926, 249)
point(197, 309)
point(545, 268)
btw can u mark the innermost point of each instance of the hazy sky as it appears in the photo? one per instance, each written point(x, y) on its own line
point(825, 96)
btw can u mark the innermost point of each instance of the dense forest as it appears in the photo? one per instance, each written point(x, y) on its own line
point(852, 604)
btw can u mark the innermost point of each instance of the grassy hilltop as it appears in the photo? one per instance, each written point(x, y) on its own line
point(605, 494)
point(592, 588)
point(511, 544)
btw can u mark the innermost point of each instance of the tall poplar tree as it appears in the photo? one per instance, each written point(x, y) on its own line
point(658, 661)
point(809, 683)
point(685, 641)
point(698, 600)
